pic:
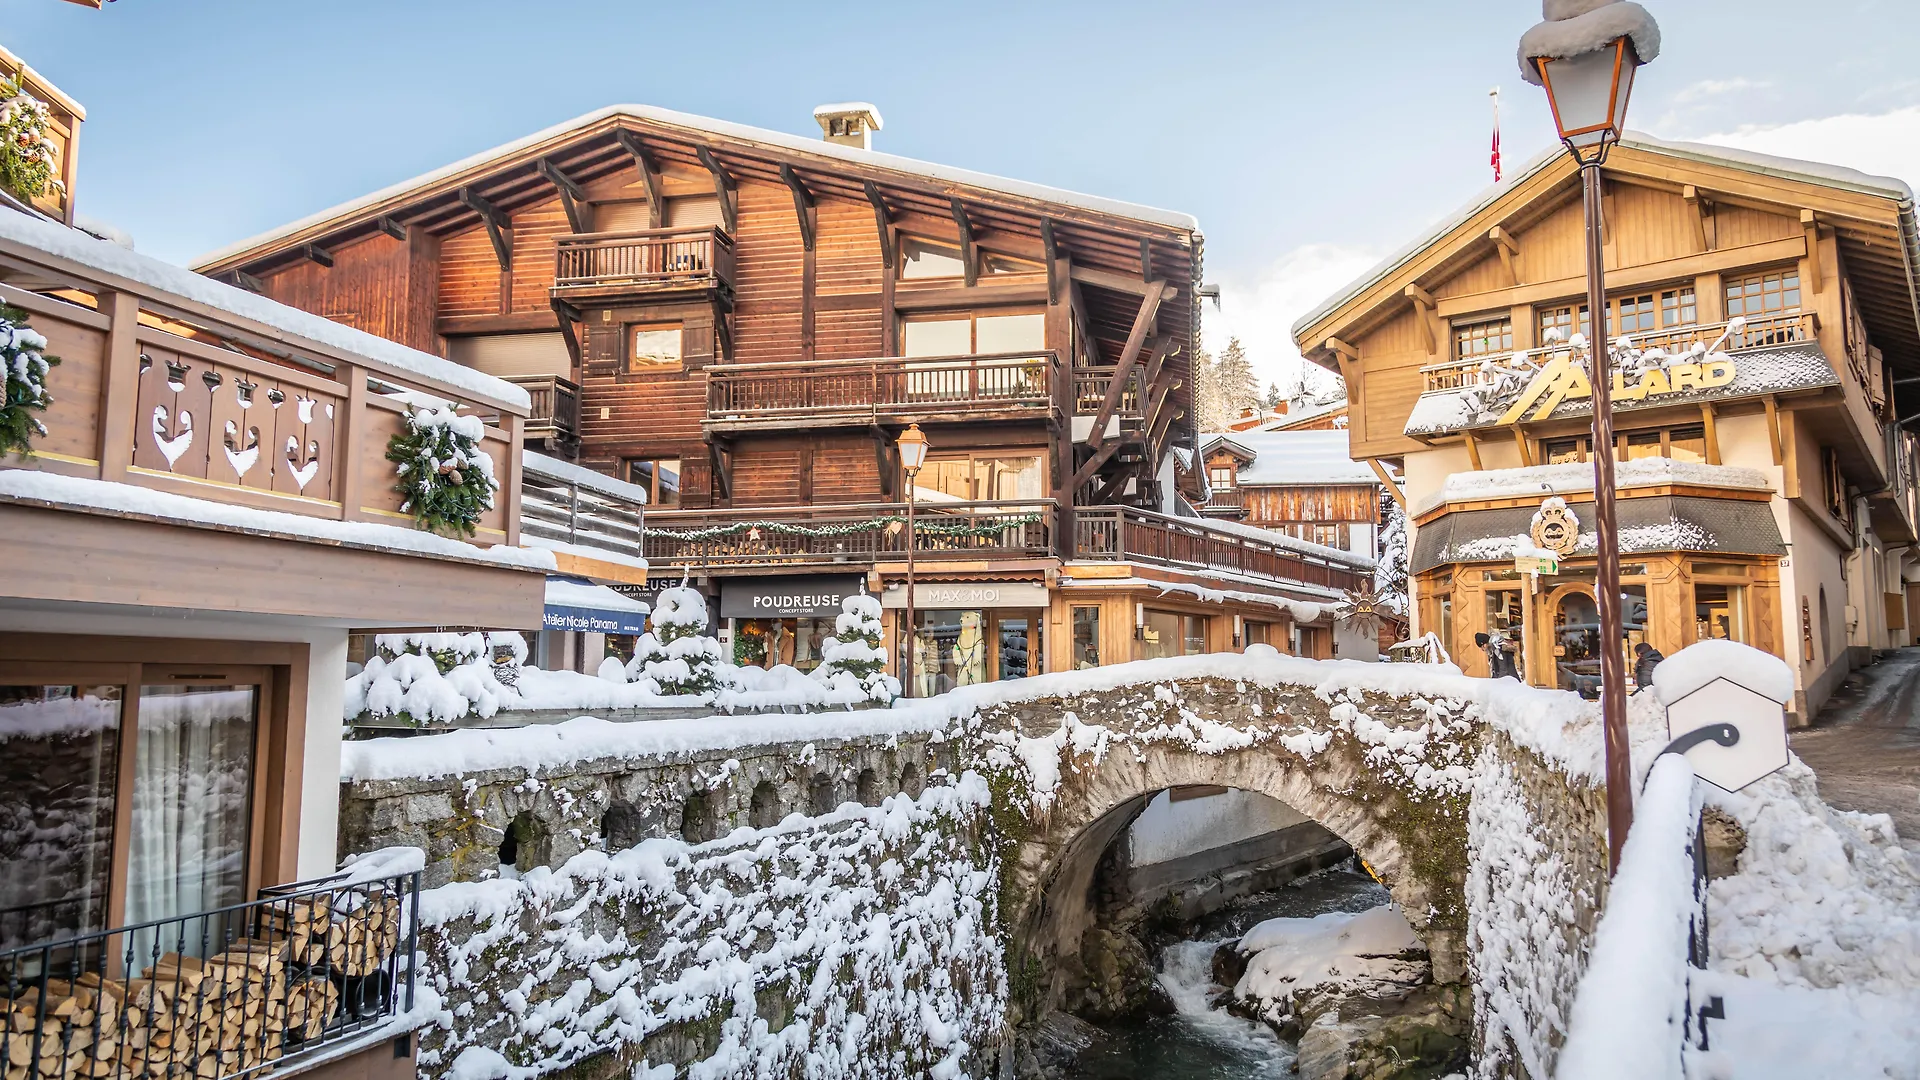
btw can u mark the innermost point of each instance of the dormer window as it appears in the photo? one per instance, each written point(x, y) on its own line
point(1220, 477)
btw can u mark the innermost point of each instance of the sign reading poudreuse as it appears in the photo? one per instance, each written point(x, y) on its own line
point(771, 597)
point(1563, 380)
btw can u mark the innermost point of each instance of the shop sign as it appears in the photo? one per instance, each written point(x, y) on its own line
point(786, 597)
point(1534, 564)
point(1564, 380)
point(967, 596)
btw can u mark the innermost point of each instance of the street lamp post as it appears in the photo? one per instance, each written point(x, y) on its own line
point(913, 454)
point(1585, 55)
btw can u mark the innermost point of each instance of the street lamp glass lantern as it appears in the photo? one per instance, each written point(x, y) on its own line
point(1588, 94)
point(913, 448)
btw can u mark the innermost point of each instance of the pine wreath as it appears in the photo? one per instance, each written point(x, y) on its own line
point(446, 480)
point(27, 157)
point(26, 367)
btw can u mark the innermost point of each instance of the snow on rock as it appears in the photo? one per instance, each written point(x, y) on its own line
point(861, 943)
point(1293, 956)
point(1717, 658)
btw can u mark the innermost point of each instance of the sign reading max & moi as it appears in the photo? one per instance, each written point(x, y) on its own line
point(786, 597)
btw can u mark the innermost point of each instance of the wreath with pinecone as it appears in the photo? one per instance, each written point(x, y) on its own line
point(25, 364)
point(446, 480)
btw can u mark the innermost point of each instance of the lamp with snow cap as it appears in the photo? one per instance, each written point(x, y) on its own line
point(1585, 53)
point(912, 445)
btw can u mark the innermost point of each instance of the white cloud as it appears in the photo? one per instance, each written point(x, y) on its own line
point(1705, 89)
point(1883, 144)
point(1260, 309)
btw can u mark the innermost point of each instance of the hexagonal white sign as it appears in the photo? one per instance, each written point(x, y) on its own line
point(1761, 721)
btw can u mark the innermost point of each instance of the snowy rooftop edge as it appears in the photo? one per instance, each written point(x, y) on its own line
point(31, 487)
point(1573, 476)
point(1812, 172)
point(671, 117)
point(101, 256)
point(542, 465)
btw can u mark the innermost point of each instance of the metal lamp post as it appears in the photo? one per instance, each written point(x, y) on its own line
point(913, 454)
point(1587, 86)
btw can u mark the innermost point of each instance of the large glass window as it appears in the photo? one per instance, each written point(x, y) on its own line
point(949, 650)
point(1556, 324)
point(653, 346)
point(965, 334)
point(1483, 339)
point(981, 477)
point(1086, 637)
point(923, 258)
point(660, 476)
point(1018, 642)
point(1763, 293)
point(1506, 630)
point(1169, 633)
point(1677, 307)
point(1720, 611)
point(59, 746)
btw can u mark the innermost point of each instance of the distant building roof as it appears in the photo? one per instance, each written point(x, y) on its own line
point(1293, 457)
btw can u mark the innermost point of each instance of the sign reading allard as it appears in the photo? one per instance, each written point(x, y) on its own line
point(786, 597)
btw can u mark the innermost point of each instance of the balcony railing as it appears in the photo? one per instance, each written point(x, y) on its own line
point(854, 534)
point(564, 502)
point(644, 258)
point(1090, 387)
point(160, 391)
point(865, 391)
point(235, 991)
point(555, 413)
point(1760, 332)
point(1123, 533)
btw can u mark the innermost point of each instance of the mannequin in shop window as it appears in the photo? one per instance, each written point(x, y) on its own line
point(970, 651)
point(926, 665)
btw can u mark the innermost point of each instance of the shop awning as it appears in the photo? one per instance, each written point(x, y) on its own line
point(1648, 524)
point(574, 604)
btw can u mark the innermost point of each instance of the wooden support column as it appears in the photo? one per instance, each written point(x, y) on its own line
point(1473, 451)
point(1712, 433)
point(807, 213)
point(1509, 252)
point(119, 384)
point(1773, 429)
point(1393, 489)
point(1697, 217)
point(1520, 442)
point(1812, 229)
point(969, 250)
point(725, 189)
point(650, 172)
point(1348, 358)
point(499, 226)
point(568, 316)
point(572, 198)
point(1423, 314)
point(348, 430)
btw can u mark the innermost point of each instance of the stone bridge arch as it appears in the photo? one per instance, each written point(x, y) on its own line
point(1386, 774)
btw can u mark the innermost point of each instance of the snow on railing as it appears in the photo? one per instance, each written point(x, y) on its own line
point(1631, 1015)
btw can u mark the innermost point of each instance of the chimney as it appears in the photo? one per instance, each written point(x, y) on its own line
point(849, 123)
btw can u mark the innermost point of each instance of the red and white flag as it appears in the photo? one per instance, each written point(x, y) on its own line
point(1495, 161)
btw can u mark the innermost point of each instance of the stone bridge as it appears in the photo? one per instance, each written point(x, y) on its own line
point(1491, 845)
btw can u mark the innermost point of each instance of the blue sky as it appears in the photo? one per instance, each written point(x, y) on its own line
point(1309, 138)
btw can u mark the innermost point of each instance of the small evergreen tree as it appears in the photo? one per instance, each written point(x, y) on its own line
point(855, 661)
point(1233, 374)
point(1274, 396)
point(1390, 572)
point(676, 656)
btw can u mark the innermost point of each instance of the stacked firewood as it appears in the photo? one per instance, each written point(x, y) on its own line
point(185, 1018)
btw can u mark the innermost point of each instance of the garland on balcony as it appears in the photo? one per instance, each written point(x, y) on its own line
point(26, 369)
point(893, 523)
point(446, 480)
point(27, 158)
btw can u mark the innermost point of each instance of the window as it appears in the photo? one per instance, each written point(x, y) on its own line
point(1762, 294)
point(1557, 323)
point(1719, 611)
point(970, 334)
point(923, 258)
point(1677, 307)
point(1506, 621)
point(1220, 477)
point(1836, 486)
point(982, 476)
point(1259, 633)
point(1630, 315)
point(660, 476)
point(1483, 339)
point(653, 346)
point(1564, 451)
point(1086, 637)
point(1625, 314)
point(1169, 633)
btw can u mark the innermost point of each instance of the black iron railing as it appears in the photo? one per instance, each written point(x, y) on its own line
point(230, 992)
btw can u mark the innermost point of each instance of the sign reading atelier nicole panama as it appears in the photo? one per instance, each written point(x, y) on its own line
point(1726, 685)
point(813, 596)
point(583, 607)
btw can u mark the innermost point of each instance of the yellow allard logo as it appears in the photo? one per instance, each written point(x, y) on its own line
point(1562, 380)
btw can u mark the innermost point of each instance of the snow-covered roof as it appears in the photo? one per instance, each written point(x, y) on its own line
point(708, 125)
point(1301, 547)
point(1307, 412)
point(80, 493)
point(1295, 458)
point(1574, 476)
point(1810, 172)
point(101, 257)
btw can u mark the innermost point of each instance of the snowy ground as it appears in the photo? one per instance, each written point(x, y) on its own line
point(1865, 744)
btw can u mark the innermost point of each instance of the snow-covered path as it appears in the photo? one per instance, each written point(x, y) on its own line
point(1865, 745)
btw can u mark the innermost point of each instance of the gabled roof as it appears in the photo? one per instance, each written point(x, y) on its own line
point(1895, 323)
point(1292, 458)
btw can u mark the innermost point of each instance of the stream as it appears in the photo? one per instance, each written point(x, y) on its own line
point(1203, 1043)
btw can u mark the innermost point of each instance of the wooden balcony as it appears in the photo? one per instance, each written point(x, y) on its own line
point(555, 413)
point(854, 535)
point(1760, 332)
point(1090, 386)
point(564, 502)
point(894, 389)
point(1123, 533)
point(162, 391)
point(646, 261)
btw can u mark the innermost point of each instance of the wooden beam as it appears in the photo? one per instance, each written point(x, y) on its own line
point(1526, 453)
point(1393, 489)
point(1086, 275)
point(567, 315)
point(316, 253)
point(1157, 352)
point(1423, 314)
point(1129, 357)
point(1156, 409)
point(391, 228)
point(803, 205)
point(1085, 472)
point(1050, 251)
point(498, 226)
point(1712, 433)
point(883, 222)
point(1697, 216)
point(243, 280)
point(1509, 251)
point(883, 460)
point(969, 248)
point(724, 188)
point(571, 196)
point(1812, 228)
point(1146, 259)
point(1773, 430)
point(1473, 451)
point(720, 464)
point(650, 172)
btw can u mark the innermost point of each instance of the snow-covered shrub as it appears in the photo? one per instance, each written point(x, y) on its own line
point(855, 662)
point(1390, 573)
point(27, 158)
point(438, 678)
point(675, 656)
point(446, 480)
point(25, 365)
point(613, 669)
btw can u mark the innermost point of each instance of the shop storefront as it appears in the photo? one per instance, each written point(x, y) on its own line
point(771, 621)
point(967, 633)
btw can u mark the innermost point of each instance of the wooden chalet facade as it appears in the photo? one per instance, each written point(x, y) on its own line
point(1766, 475)
point(743, 322)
